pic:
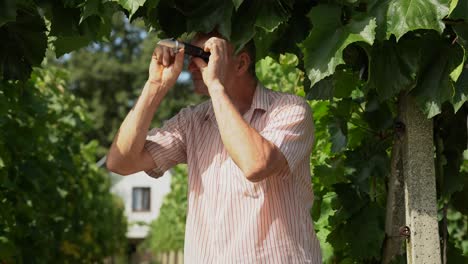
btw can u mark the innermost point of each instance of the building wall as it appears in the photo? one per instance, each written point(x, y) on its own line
point(123, 186)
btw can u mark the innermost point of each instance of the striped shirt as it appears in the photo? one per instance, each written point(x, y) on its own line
point(229, 218)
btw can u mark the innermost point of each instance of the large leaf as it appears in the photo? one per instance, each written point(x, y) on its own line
point(379, 9)
point(435, 85)
point(272, 13)
point(23, 44)
point(460, 10)
point(65, 45)
point(7, 11)
point(74, 28)
point(171, 21)
point(339, 85)
point(323, 48)
point(462, 35)
point(338, 131)
point(323, 90)
point(389, 71)
point(285, 37)
point(267, 15)
point(218, 15)
point(408, 15)
point(64, 21)
point(102, 10)
point(461, 90)
point(131, 5)
point(237, 3)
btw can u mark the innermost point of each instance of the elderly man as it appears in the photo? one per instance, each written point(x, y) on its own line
point(247, 151)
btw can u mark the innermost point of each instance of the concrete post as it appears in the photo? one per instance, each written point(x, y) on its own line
point(423, 244)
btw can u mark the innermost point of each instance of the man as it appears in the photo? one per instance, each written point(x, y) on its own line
point(247, 151)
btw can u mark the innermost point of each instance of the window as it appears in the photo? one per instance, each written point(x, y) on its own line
point(141, 199)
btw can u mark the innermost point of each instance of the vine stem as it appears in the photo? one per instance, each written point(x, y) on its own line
point(444, 234)
point(448, 21)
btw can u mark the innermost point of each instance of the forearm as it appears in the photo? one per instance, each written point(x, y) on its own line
point(256, 157)
point(130, 139)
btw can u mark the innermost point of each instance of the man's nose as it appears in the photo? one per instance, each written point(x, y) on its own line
point(192, 67)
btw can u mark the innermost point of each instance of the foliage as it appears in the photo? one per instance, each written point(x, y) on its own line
point(55, 205)
point(354, 135)
point(167, 232)
point(353, 56)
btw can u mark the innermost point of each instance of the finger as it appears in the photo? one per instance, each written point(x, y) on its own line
point(157, 54)
point(199, 62)
point(166, 58)
point(179, 59)
point(210, 44)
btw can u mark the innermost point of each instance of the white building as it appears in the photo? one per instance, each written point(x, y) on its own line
point(143, 197)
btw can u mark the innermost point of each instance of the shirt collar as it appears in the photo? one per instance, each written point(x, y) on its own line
point(260, 101)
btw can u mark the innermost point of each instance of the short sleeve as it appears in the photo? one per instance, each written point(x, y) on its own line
point(290, 128)
point(168, 145)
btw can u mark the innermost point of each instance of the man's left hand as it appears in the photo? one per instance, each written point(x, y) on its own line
point(215, 72)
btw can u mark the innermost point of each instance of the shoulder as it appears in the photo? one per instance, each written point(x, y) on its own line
point(280, 101)
point(196, 112)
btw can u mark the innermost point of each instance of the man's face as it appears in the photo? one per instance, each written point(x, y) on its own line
point(200, 87)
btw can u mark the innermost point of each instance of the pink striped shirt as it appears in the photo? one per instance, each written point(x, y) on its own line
point(230, 219)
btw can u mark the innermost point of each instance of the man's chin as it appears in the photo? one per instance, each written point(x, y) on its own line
point(200, 87)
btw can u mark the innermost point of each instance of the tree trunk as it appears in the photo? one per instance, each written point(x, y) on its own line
point(395, 214)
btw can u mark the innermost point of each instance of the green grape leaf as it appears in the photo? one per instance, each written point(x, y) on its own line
point(252, 14)
point(360, 240)
point(408, 15)
point(459, 10)
point(345, 81)
point(450, 151)
point(166, 16)
point(131, 5)
point(65, 21)
point(459, 198)
point(150, 4)
point(330, 175)
point(90, 8)
point(323, 48)
point(65, 45)
point(323, 90)
point(379, 9)
point(237, 3)
point(378, 114)
point(461, 90)
point(243, 21)
point(435, 85)
point(7, 11)
point(339, 85)
point(219, 16)
point(338, 131)
point(453, 5)
point(462, 35)
point(23, 45)
point(271, 15)
point(285, 37)
point(389, 72)
point(90, 27)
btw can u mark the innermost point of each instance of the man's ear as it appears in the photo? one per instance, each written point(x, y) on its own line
point(243, 63)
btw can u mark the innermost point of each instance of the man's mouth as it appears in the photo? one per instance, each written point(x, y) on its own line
point(196, 77)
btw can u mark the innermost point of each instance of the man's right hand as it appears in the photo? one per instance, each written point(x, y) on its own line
point(165, 66)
